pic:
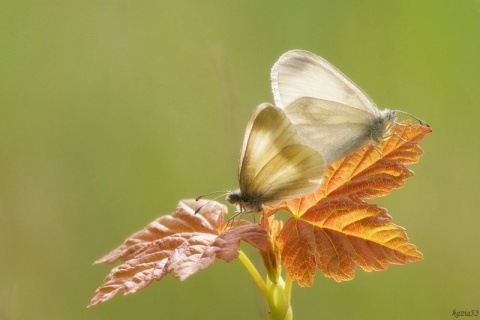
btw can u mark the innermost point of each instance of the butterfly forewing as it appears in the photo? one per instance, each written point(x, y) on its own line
point(299, 73)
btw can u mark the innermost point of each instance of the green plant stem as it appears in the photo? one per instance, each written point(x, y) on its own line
point(254, 273)
point(278, 301)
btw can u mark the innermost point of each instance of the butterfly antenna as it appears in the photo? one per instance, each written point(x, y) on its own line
point(223, 192)
point(423, 123)
point(204, 195)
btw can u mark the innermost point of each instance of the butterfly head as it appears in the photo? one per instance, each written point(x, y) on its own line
point(382, 125)
point(245, 203)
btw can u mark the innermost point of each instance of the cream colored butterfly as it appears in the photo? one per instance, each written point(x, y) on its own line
point(330, 112)
point(274, 164)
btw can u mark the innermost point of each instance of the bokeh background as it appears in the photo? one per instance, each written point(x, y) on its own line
point(113, 111)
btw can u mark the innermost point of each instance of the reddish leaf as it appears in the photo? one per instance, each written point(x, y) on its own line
point(182, 244)
point(334, 230)
point(336, 236)
point(183, 220)
point(368, 173)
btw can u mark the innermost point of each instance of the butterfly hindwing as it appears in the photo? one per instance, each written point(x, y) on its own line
point(275, 165)
point(331, 128)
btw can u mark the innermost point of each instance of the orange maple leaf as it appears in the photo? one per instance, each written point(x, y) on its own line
point(335, 230)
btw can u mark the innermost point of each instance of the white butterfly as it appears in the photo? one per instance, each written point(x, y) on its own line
point(330, 112)
point(274, 164)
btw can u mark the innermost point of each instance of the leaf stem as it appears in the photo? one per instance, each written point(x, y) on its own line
point(254, 273)
point(288, 288)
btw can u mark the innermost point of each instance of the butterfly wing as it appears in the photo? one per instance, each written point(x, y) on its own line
point(331, 128)
point(274, 165)
point(299, 73)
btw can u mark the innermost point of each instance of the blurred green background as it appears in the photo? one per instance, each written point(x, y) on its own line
point(113, 111)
